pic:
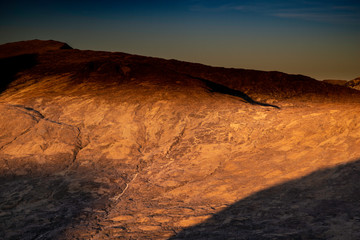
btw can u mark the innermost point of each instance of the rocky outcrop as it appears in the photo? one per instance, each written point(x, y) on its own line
point(355, 84)
point(97, 145)
point(31, 143)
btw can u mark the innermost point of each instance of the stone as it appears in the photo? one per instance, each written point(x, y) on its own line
point(111, 145)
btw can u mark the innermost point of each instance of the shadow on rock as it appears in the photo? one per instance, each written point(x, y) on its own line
point(9, 67)
point(50, 206)
point(322, 205)
point(219, 88)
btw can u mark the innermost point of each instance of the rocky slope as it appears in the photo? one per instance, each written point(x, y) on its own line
point(355, 84)
point(99, 145)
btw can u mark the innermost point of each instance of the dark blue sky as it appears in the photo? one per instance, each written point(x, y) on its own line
point(318, 38)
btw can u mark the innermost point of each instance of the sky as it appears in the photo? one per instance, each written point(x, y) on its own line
point(319, 38)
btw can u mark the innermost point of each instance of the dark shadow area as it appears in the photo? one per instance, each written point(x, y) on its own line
point(104, 71)
point(66, 46)
point(322, 205)
point(216, 87)
point(9, 67)
point(50, 206)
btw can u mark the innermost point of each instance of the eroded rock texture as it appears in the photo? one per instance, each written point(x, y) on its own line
point(97, 145)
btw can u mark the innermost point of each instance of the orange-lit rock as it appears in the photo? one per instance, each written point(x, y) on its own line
point(98, 145)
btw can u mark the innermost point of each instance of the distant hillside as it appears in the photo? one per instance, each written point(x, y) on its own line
point(30, 47)
point(41, 59)
point(355, 84)
point(336, 82)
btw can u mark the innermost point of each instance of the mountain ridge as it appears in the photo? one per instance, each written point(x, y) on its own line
point(99, 145)
point(259, 84)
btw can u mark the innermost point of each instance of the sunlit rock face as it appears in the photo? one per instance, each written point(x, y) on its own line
point(99, 145)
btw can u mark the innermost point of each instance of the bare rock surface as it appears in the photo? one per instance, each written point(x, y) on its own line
point(355, 84)
point(97, 145)
point(336, 82)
